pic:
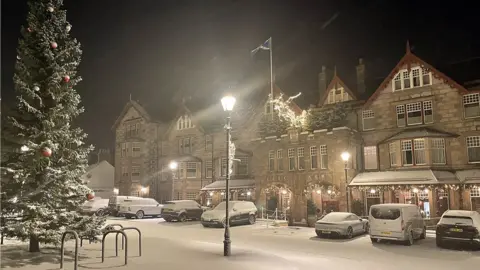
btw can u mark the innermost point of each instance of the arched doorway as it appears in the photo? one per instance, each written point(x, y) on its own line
point(279, 199)
point(324, 196)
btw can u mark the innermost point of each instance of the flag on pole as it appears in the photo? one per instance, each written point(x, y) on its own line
point(265, 46)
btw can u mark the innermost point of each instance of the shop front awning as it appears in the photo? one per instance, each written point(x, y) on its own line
point(410, 177)
point(471, 176)
point(233, 184)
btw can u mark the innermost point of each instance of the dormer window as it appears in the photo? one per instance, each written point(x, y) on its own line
point(338, 95)
point(184, 122)
point(417, 77)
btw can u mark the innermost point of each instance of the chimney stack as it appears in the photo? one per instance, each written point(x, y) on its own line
point(361, 87)
point(322, 81)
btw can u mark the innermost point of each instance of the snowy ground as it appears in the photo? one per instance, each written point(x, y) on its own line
point(189, 245)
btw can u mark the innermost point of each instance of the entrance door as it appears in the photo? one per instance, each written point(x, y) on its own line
point(475, 199)
point(371, 198)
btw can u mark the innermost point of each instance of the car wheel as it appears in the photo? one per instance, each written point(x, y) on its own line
point(349, 233)
point(319, 233)
point(140, 214)
point(167, 220)
point(205, 225)
point(424, 233)
point(182, 218)
point(251, 219)
point(374, 240)
point(367, 228)
point(410, 239)
point(439, 242)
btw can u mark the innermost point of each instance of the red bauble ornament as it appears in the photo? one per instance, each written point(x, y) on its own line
point(47, 152)
point(29, 29)
point(66, 78)
point(54, 45)
point(90, 197)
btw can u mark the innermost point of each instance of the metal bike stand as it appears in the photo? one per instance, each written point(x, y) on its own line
point(62, 252)
point(116, 247)
point(139, 238)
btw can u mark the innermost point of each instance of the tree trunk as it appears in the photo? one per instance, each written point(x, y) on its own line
point(34, 244)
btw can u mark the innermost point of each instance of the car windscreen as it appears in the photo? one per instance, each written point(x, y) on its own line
point(456, 220)
point(385, 213)
point(334, 217)
point(222, 206)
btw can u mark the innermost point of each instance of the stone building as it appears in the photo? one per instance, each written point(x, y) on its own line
point(412, 139)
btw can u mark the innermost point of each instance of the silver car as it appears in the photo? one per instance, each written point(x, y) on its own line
point(341, 224)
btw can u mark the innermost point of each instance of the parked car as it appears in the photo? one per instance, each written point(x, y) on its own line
point(182, 210)
point(115, 202)
point(94, 206)
point(341, 224)
point(140, 208)
point(240, 212)
point(397, 222)
point(459, 226)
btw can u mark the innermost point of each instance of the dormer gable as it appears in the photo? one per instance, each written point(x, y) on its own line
point(413, 72)
point(184, 122)
point(337, 91)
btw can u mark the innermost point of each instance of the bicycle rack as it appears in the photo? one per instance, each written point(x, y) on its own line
point(116, 247)
point(62, 252)
point(116, 240)
point(139, 239)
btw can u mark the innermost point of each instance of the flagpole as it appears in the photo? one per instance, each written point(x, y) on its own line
point(271, 75)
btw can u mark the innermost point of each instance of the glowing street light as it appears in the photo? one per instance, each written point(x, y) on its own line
point(345, 157)
point(115, 191)
point(228, 102)
point(173, 167)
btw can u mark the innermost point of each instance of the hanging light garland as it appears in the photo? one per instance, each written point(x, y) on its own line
point(284, 110)
point(406, 187)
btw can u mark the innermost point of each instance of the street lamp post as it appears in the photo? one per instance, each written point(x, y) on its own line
point(173, 166)
point(345, 157)
point(227, 102)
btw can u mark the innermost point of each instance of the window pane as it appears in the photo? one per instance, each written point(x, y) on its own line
point(473, 147)
point(407, 153)
point(419, 149)
point(313, 157)
point(301, 158)
point(414, 113)
point(393, 154)
point(323, 157)
point(438, 151)
point(370, 157)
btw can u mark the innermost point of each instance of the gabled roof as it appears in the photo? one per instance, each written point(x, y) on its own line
point(130, 104)
point(408, 59)
point(421, 132)
point(333, 83)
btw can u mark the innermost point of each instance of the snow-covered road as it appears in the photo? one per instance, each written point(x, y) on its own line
point(189, 245)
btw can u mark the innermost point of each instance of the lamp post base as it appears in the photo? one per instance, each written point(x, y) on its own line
point(227, 251)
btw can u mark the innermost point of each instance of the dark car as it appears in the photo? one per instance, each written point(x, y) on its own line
point(182, 210)
point(459, 226)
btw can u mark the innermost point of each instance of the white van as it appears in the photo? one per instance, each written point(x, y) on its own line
point(398, 222)
point(115, 202)
point(140, 208)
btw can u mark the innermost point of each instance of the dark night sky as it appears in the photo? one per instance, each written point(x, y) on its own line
point(153, 48)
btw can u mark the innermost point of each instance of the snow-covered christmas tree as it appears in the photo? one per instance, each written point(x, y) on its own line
point(43, 155)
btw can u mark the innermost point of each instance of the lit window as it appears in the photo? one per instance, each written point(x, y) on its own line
point(438, 151)
point(413, 152)
point(191, 196)
point(184, 122)
point(393, 154)
point(191, 169)
point(135, 171)
point(419, 150)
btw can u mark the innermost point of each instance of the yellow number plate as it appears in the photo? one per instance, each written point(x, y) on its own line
point(326, 232)
point(386, 233)
point(456, 230)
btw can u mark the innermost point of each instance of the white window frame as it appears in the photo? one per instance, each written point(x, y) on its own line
point(191, 196)
point(136, 149)
point(370, 157)
point(271, 160)
point(184, 122)
point(368, 115)
point(208, 168)
point(427, 105)
point(191, 166)
point(401, 116)
point(291, 157)
point(181, 145)
point(421, 106)
point(413, 108)
point(471, 143)
point(420, 151)
point(474, 101)
point(406, 146)
point(393, 150)
point(125, 171)
point(405, 76)
point(280, 160)
point(313, 157)
point(136, 171)
point(301, 158)
point(323, 157)
point(437, 148)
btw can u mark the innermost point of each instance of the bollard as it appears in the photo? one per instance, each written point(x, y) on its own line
point(116, 249)
point(276, 214)
point(62, 254)
point(267, 217)
point(139, 238)
point(262, 212)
